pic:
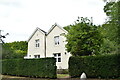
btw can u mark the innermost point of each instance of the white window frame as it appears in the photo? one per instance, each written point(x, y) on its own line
point(56, 40)
point(57, 57)
point(37, 43)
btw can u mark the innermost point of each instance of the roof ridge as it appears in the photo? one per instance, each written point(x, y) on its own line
point(42, 30)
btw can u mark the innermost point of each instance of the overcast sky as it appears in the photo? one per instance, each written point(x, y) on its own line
point(20, 18)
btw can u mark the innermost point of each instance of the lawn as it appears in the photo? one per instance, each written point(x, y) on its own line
point(62, 75)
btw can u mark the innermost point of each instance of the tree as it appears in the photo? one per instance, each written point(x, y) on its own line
point(108, 45)
point(14, 50)
point(7, 51)
point(83, 38)
point(112, 27)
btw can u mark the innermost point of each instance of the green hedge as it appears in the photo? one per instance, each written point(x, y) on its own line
point(104, 66)
point(43, 67)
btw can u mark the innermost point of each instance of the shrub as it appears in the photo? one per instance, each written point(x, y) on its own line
point(43, 67)
point(103, 66)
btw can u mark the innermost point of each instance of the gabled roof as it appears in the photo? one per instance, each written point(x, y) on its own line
point(45, 33)
point(53, 26)
point(37, 29)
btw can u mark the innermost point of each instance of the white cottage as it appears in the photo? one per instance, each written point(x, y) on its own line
point(50, 44)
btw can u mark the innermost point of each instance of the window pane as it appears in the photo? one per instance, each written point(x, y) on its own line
point(59, 54)
point(55, 55)
point(56, 59)
point(56, 39)
point(38, 56)
point(59, 59)
point(35, 56)
point(38, 44)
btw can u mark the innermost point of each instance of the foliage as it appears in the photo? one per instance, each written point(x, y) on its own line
point(14, 50)
point(108, 46)
point(43, 67)
point(83, 38)
point(6, 51)
point(102, 66)
point(112, 27)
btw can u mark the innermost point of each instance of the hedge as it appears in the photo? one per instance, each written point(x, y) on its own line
point(43, 67)
point(104, 66)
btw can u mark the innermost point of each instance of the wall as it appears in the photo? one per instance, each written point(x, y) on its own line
point(32, 50)
point(52, 48)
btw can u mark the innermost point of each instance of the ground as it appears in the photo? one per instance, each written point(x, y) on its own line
point(63, 76)
point(60, 77)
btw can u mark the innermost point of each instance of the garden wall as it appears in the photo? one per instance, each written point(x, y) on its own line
point(104, 66)
point(43, 67)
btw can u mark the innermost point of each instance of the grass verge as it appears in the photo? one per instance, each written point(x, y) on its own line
point(62, 75)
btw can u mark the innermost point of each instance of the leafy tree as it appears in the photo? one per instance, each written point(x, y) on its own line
point(83, 38)
point(111, 28)
point(14, 50)
point(111, 10)
point(6, 51)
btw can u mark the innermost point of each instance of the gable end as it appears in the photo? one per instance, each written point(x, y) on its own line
point(54, 27)
point(37, 29)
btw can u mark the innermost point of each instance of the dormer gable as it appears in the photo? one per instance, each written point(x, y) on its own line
point(37, 29)
point(56, 25)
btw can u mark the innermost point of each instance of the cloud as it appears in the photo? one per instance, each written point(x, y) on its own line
point(14, 3)
point(23, 16)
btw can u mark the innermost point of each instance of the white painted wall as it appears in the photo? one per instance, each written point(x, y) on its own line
point(52, 48)
point(32, 50)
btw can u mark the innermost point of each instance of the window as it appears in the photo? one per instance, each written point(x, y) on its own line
point(57, 56)
point(56, 40)
point(37, 43)
point(37, 56)
point(29, 55)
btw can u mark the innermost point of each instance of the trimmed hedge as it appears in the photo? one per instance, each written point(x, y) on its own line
point(43, 67)
point(104, 66)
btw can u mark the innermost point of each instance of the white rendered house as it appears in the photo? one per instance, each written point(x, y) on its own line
point(50, 44)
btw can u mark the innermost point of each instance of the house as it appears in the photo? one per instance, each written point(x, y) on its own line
point(43, 44)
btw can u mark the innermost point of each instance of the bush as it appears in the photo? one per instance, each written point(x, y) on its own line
point(104, 66)
point(43, 67)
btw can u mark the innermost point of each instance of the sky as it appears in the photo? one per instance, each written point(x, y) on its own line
point(20, 18)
